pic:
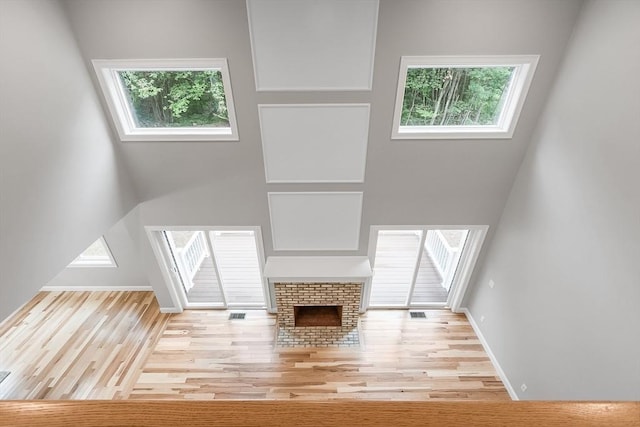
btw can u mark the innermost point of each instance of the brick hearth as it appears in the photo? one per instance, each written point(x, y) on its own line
point(289, 295)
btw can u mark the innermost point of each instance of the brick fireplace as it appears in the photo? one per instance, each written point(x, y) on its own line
point(327, 313)
point(325, 292)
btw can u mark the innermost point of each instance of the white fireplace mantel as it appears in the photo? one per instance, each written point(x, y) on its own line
point(317, 269)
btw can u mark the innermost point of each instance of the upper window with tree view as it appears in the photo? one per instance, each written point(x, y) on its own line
point(176, 98)
point(169, 99)
point(460, 97)
point(454, 96)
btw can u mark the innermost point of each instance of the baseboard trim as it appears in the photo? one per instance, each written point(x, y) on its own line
point(170, 310)
point(487, 349)
point(94, 288)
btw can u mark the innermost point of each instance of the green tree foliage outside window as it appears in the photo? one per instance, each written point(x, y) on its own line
point(176, 98)
point(454, 96)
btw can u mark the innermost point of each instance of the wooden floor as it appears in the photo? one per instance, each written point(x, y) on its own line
point(115, 345)
point(78, 345)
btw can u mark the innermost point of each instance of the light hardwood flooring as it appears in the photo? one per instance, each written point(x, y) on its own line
point(115, 345)
point(78, 345)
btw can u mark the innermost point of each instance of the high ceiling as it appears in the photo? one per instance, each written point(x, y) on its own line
point(66, 178)
point(302, 49)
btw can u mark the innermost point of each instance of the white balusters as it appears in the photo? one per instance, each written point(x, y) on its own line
point(444, 256)
point(191, 257)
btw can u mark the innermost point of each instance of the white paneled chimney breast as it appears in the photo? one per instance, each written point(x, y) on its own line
point(313, 44)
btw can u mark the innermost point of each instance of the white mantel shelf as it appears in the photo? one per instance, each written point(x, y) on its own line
point(317, 269)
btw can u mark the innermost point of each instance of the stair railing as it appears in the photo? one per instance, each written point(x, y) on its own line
point(191, 256)
point(445, 258)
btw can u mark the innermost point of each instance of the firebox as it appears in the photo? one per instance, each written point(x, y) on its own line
point(317, 315)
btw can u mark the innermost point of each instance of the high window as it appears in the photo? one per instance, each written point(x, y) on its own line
point(169, 100)
point(460, 97)
point(96, 255)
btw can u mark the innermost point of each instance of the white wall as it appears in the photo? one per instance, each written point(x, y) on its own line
point(564, 314)
point(406, 182)
point(410, 182)
point(61, 181)
point(129, 272)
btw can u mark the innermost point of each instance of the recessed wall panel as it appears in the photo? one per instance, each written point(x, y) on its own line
point(313, 44)
point(314, 143)
point(315, 220)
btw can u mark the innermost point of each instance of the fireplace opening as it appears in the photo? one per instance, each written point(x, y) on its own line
point(317, 315)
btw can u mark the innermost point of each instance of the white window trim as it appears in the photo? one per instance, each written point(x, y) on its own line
point(118, 104)
point(88, 262)
point(525, 66)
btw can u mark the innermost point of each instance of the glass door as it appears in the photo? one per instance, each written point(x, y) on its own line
point(195, 267)
point(217, 268)
point(236, 254)
point(396, 256)
point(438, 264)
point(415, 267)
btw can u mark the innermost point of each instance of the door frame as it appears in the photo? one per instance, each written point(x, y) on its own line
point(466, 264)
point(173, 282)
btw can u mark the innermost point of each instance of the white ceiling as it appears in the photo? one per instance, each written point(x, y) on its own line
point(406, 182)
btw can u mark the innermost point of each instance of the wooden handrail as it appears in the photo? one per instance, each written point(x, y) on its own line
point(317, 414)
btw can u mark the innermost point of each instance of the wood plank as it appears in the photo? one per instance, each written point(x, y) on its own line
point(78, 345)
point(402, 359)
point(116, 345)
point(355, 412)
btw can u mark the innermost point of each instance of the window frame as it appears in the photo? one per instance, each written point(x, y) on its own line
point(119, 107)
point(525, 66)
point(79, 263)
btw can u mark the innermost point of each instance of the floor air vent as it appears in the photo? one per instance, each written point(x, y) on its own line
point(237, 316)
point(418, 315)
